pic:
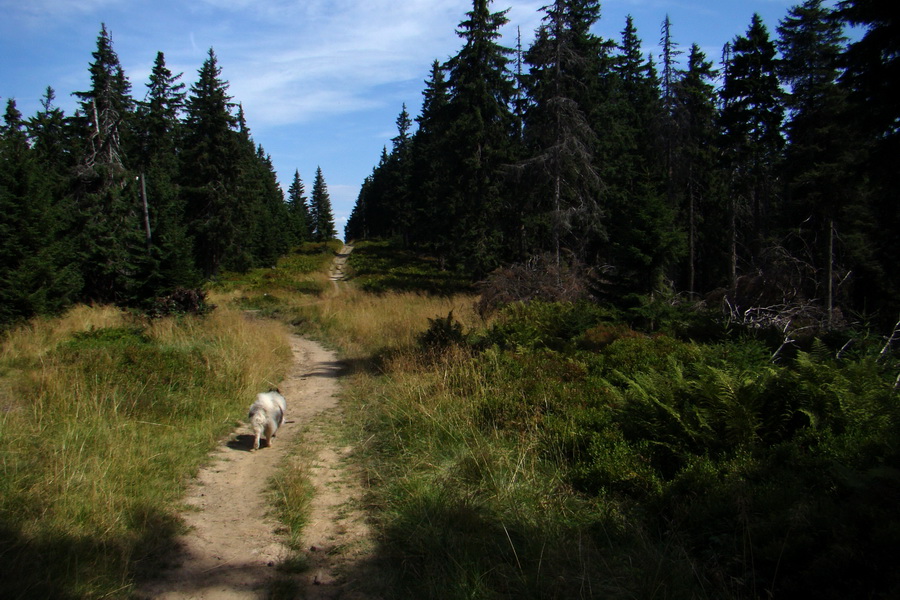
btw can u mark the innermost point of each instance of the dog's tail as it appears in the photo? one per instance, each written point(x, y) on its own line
point(257, 417)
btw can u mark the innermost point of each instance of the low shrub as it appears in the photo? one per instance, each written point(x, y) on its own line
point(537, 324)
point(542, 278)
point(181, 301)
point(442, 333)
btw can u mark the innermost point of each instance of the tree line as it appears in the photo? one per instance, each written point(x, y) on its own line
point(129, 200)
point(770, 177)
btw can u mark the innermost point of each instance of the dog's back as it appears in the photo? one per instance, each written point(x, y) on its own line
point(266, 416)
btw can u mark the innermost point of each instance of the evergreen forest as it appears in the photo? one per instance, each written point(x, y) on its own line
point(137, 202)
point(764, 177)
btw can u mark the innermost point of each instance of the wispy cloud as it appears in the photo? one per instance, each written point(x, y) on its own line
point(328, 57)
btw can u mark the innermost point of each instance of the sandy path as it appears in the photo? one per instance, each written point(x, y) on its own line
point(232, 548)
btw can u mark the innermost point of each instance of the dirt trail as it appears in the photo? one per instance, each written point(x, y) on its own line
point(233, 547)
point(337, 268)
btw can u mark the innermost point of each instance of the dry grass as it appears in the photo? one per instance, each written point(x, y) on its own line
point(34, 339)
point(364, 324)
point(103, 417)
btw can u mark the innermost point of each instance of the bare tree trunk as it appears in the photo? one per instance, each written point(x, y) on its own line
point(732, 272)
point(146, 213)
point(692, 243)
point(829, 302)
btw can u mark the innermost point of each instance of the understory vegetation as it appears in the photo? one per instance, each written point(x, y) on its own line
point(526, 449)
point(573, 450)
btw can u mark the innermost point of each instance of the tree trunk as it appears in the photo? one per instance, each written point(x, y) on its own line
point(692, 243)
point(146, 213)
point(829, 302)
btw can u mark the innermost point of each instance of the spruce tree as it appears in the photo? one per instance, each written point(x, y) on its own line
point(49, 132)
point(320, 208)
point(668, 81)
point(751, 118)
point(400, 171)
point(53, 137)
point(105, 110)
point(159, 133)
point(820, 144)
point(34, 278)
point(257, 208)
point(478, 141)
point(643, 240)
point(210, 168)
point(298, 211)
point(356, 227)
point(273, 238)
point(111, 244)
point(560, 141)
point(430, 174)
point(694, 177)
point(872, 79)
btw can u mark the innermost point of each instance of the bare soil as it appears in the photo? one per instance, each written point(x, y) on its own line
point(235, 545)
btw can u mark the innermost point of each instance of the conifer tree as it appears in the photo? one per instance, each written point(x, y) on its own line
point(159, 132)
point(357, 227)
point(298, 211)
point(751, 117)
point(320, 208)
point(559, 137)
point(668, 81)
point(111, 242)
point(269, 213)
point(245, 203)
point(49, 132)
point(478, 141)
point(820, 145)
point(643, 239)
point(400, 171)
point(33, 278)
point(694, 169)
point(430, 172)
point(105, 109)
point(872, 79)
point(209, 168)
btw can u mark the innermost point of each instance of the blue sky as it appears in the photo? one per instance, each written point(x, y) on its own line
point(321, 81)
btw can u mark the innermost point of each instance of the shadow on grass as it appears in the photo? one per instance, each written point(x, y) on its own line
point(66, 567)
point(379, 267)
point(450, 548)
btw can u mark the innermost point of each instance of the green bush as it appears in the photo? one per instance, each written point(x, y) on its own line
point(536, 324)
point(442, 333)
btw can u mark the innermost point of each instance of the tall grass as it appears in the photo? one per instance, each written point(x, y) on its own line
point(557, 453)
point(103, 418)
point(368, 325)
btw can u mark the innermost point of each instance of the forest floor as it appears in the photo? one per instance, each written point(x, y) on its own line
point(234, 545)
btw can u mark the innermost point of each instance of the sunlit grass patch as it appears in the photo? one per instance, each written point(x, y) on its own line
point(102, 421)
point(302, 271)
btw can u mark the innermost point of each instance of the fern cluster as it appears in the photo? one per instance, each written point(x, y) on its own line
point(773, 478)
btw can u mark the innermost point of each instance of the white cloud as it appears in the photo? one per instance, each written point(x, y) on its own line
point(327, 57)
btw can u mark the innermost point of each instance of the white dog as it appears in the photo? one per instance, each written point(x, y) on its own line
point(267, 415)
